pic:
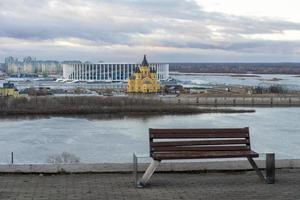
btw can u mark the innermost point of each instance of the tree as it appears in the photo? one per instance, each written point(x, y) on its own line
point(64, 158)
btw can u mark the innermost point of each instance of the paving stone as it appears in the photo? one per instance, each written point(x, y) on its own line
point(120, 186)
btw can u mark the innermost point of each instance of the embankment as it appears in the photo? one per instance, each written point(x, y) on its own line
point(248, 101)
point(99, 105)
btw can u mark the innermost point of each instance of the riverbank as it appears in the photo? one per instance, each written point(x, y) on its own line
point(139, 105)
point(100, 105)
point(231, 101)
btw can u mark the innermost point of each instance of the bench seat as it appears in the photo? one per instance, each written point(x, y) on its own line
point(173, 155)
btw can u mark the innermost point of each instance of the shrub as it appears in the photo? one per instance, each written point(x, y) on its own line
point(64, 158)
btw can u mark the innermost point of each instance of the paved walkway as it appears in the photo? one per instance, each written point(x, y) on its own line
point(237, 185)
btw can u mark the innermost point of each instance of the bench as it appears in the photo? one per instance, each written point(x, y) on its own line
point(177, 144)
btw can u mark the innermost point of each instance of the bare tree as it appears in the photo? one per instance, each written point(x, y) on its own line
point(64, 158)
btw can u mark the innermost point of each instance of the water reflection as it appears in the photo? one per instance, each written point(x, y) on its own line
point(91, 117)
point(142, 116)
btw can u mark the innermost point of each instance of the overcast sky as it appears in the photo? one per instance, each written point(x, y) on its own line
point(165, 30)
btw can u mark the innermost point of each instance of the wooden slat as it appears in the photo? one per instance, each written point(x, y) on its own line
point(211, 143)
point(205, 154)
point(199, 142)
point(199, 133)
point(202, 148)
point(204, 130)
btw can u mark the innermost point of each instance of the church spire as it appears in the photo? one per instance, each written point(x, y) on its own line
point(145, 62)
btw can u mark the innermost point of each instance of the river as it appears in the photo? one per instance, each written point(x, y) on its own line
point(204, 79)
point(286, 80)
point(96, 139)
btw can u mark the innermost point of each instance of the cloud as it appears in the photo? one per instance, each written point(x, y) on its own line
point(181, 27)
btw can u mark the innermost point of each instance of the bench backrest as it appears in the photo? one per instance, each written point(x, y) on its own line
point(168, 140)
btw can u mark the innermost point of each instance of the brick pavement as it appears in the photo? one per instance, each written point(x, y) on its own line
point(234, 185)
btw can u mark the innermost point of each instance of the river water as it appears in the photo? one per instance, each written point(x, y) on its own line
point(97, 139)
point(289, 81)
point(286, 80)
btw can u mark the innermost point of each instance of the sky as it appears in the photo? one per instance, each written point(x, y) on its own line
point(165, 30)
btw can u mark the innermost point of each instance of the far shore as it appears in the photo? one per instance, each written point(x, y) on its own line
point(229, 74)
point(117, 106)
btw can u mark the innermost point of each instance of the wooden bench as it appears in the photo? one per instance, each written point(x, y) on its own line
point(176, 144)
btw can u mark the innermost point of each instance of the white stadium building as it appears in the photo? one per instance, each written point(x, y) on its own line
point(109, 72)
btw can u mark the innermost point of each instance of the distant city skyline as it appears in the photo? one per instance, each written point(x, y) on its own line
point(165, 30)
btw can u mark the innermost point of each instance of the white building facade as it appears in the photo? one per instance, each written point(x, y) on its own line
point(109, 71)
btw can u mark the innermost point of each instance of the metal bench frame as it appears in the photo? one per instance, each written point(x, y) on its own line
point(218, 149)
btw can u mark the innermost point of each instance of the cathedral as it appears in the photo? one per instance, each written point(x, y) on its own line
point(144, 79)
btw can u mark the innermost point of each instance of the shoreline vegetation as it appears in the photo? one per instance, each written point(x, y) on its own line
point(217, 74)
point(100, 105)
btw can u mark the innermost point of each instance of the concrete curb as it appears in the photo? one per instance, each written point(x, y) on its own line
point(127, 167)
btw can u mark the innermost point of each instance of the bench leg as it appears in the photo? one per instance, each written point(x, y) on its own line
point(258, 172)
point(270, 168)
point(135, 169)
point(148, 173)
